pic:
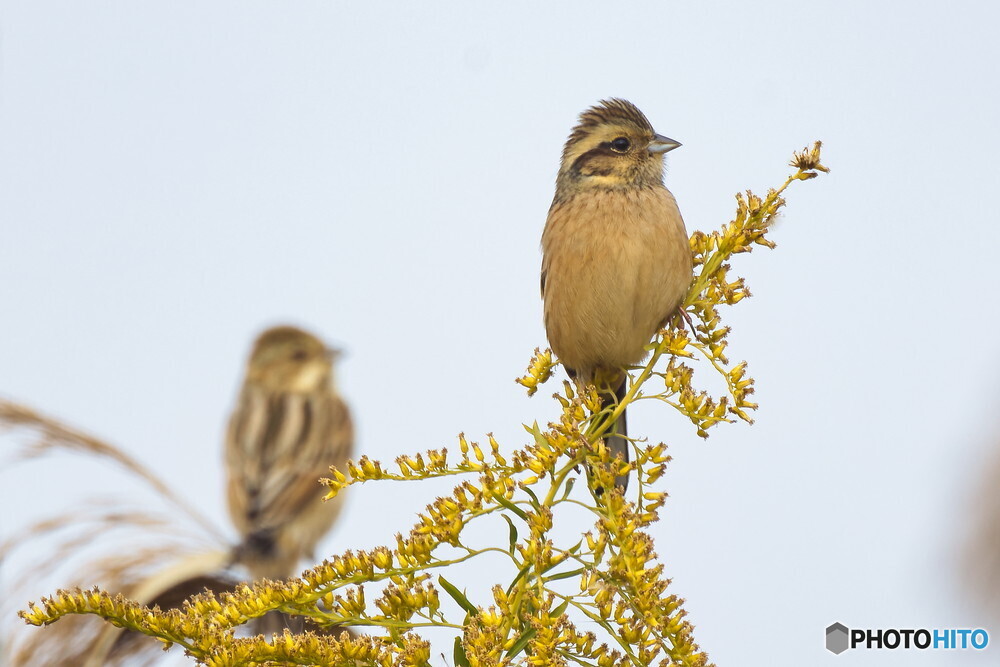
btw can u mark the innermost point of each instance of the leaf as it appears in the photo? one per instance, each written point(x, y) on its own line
point(537, 435)
point(534, 498)
point(511, 506)
point(524, 571)
point(512, 534)
point(569, 487)
point(565, 575)
point(522, 641)
point(461, 660)
point(458, 596)
point(560, 610)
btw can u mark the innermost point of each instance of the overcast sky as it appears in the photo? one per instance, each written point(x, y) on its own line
point(175, 176)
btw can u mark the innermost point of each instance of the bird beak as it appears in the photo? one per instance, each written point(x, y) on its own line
point(333, 354)
point(662, 144)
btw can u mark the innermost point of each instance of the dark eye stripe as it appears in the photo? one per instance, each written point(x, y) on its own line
point(603, 149)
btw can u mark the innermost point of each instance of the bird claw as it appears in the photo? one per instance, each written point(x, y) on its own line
point(686, 317)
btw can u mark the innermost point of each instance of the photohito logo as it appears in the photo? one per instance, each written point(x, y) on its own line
point(839, 638)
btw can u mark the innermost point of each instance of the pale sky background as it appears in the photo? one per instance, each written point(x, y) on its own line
point(175, 176)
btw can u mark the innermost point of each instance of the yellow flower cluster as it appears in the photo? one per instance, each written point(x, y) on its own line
point(621, 592)
point(539, 370)
point(311, 649)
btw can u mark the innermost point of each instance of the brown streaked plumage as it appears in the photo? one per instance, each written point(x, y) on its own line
point(288, 427)
point(615, 256)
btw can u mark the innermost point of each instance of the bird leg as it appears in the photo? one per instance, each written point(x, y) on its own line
point(685, 317)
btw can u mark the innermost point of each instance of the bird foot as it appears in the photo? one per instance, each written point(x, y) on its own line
point(685, 317)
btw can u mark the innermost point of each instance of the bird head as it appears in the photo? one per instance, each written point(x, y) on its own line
point(613, 146)
point(287, 359)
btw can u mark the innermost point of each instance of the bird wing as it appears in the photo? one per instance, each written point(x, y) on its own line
point(277, 448)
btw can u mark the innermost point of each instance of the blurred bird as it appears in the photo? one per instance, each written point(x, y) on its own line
point(288, 427)
point(616, 263)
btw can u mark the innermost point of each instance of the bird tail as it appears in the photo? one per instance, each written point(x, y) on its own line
point(266, 556)
point(617, 443)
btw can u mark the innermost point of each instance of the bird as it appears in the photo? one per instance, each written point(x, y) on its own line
point(288, 427)
point(616, 262)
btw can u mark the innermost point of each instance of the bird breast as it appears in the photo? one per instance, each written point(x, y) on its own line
point(616, 264)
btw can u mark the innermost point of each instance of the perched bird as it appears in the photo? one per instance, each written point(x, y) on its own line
point(616, 263)
point(288, 427)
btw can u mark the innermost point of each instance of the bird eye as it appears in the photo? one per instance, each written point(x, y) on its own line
point(300, 355)
point(620, 145)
